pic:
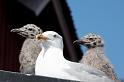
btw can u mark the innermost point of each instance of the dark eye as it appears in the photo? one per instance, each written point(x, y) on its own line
point(38, 29)
point(54, 36)
point(32, 34)
point(30, 29)
point(90, 38)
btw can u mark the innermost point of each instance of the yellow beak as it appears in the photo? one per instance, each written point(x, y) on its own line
point(41, 37)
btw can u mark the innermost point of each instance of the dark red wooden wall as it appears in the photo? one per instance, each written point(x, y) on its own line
point(8, 45)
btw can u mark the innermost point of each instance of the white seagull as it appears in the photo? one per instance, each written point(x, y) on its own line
point(51, 62)
point(30, 48)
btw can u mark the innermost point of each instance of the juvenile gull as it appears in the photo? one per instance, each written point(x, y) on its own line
point(30, 48)
point(95, 56)
point(51, 62)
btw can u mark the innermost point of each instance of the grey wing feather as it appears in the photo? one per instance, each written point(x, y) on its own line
point(109, 72)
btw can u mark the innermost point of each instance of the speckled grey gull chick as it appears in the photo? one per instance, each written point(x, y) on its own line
point(95, 56)
point(30, 48)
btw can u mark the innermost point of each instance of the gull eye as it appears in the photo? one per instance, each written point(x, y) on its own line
point(30, 29)
point(54, 36)
point(90, 38)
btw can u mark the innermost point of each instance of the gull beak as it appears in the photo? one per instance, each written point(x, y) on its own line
point(41, 37)
point(77, 42)
point(16, 30)
point(20, 32)
point(82, 41)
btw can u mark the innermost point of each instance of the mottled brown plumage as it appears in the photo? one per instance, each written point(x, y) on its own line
point(95, 56)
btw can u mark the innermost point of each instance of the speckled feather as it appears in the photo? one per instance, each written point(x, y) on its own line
point(95, 56)
point(28, 56)
point(30, 48)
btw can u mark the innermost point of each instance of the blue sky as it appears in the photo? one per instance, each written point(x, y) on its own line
point(106, 18)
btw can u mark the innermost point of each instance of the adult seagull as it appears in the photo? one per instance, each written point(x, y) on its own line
point(51, 62)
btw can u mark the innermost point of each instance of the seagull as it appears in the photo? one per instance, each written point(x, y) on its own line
point(95, 56)
point(30, 48)
point(51, 62)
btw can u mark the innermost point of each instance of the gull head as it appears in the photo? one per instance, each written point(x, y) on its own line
point(28, 31)
point(50, 39)
point(91, 40)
